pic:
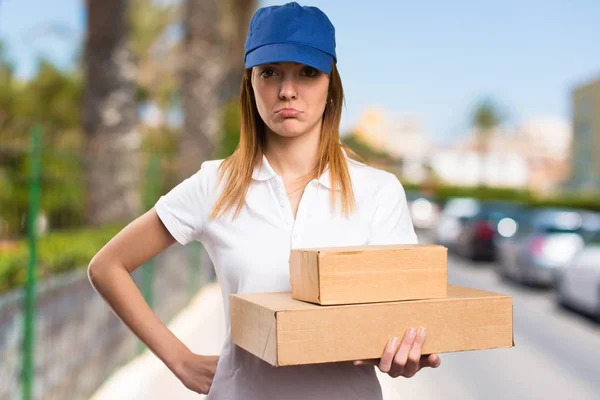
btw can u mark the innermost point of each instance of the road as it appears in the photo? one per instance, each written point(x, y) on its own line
point(556, 353)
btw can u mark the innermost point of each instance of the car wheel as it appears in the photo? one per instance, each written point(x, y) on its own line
point(504, 277)
point(518, 275)
point(561, 298)
point(472, 252)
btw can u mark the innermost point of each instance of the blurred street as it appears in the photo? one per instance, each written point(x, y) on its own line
point(555, 355)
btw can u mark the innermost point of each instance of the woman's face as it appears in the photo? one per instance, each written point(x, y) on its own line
point(290, 97)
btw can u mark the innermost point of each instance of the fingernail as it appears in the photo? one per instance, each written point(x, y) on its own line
point(411, 333)
point(421, 331)
point(394, 341)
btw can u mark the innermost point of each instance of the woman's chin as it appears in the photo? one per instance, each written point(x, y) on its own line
point(290, 128)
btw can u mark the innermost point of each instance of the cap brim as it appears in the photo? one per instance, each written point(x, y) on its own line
point(290, 52)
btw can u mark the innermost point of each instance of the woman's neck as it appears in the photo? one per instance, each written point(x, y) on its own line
point(293, 158)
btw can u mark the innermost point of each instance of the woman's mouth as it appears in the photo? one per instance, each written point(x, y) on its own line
point(288, 112)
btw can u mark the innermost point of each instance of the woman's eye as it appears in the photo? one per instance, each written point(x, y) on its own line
point(266, 72)
point(310, 72)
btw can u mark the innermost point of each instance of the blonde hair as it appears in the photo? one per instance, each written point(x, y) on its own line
point(239, 167)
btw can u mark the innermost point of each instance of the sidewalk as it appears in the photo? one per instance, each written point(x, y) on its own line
point(201, 326)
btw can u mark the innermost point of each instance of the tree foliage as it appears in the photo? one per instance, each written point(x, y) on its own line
point(52, 98)
point(485, 119)
point(367, 152)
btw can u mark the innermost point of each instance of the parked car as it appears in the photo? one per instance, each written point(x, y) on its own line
point(578, 286)
point(448, 224)
point(424, 210)
point(545, 241)
point(477, 233)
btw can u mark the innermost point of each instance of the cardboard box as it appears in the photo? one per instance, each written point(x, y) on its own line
point(371, 274)
point(283, 331)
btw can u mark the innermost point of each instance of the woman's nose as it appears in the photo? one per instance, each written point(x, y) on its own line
point(288, 89)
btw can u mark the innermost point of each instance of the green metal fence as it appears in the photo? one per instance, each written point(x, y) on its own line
point(29, 320)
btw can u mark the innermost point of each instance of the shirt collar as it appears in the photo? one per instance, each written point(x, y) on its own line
point(263, 172)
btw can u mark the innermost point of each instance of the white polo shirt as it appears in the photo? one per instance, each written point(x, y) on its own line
point(251, 255)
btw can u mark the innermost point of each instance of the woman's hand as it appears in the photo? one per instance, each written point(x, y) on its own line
point(196, 372)
point(404, 358)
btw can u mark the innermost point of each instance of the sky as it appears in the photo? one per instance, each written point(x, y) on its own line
point(431, 59)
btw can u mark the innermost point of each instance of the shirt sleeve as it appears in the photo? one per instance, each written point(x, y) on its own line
point(184, 209)
point(392, 223)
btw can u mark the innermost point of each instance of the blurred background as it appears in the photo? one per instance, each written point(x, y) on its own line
point(488, 112)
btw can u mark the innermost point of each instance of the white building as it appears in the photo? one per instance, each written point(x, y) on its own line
point(469, 168)
point(533, 155)
point(401, 135)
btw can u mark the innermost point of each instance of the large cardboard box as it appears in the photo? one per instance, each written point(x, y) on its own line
point(283, 331)
point(369, 274)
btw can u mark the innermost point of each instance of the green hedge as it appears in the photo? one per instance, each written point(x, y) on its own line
point(580, 202)
point(444, 192)
point(57, 252)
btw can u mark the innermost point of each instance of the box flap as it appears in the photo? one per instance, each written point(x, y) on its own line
point(369, 248)
point(304, 275)
point(276, 301)
point(283, 301)
point(269, 351)
point(456, 291)
point(254, 328)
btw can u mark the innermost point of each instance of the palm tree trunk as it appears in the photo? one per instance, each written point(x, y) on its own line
point(238, 14)
point(112, 152)
point(203, 70)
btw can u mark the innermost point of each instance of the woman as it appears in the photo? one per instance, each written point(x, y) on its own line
point(289, 184)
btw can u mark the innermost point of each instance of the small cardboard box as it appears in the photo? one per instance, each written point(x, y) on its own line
point(369, 274)
point(283, 331)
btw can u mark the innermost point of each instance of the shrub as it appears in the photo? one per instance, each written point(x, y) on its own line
point(57, 252)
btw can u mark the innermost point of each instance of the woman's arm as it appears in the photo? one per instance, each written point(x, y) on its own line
point(177, 216)
point(110, 275)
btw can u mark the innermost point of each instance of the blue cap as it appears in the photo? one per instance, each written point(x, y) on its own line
point(291, 33)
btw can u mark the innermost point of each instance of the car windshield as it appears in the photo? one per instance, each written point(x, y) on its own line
point(567, 221)
point(415, 195)
point(497, 211)
point(591, 222)
point(461, 207)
